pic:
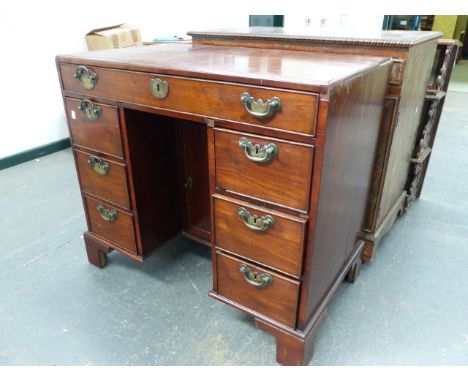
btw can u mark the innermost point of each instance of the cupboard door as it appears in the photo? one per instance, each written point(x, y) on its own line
point(196, 180)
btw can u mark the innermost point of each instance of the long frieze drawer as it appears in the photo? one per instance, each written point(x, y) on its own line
point(268, 169)
point(266, 292)
point(103, 178)
point(261, 235)
point(270, 107)
point(111, 223)
point(94, 126)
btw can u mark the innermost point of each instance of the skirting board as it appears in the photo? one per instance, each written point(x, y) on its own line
point(31, 154)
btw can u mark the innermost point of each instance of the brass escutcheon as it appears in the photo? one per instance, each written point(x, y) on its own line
point(257, 153)
point(90, 110)
point(254, 222)
point(99, 165)
point(258, 108)
point(159, 88)
point(107, 214)
point(259, 280)
point(86, 77)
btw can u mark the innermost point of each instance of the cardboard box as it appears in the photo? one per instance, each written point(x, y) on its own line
point(116, 36)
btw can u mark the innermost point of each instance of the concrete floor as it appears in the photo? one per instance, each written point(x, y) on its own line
point(409, 306)
point(459, 79)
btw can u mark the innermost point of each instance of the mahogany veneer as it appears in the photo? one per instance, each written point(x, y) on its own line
point(219, 100)
point(103, 135)
point(111, 187)
point(277, 301)
point(238, 174)
point(280, 247)
point(121, 231)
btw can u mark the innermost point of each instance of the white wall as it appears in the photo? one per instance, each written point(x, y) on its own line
point(31, 108)
point(352, 23)
point(30, 101)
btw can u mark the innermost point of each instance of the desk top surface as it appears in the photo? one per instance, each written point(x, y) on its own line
point(382, 38)
point(267, 67)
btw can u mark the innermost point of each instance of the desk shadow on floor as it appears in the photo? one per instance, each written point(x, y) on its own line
point(166, 258)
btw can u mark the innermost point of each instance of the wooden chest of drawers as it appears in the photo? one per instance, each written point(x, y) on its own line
point(269, 163)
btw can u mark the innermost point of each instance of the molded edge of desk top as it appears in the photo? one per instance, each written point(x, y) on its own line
point(307, 71)
point(383, 38)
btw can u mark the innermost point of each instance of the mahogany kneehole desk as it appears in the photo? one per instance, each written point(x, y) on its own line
point(264, 155)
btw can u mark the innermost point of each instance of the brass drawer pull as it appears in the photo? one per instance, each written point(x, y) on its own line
point(99, 165)
point(254, 222)
point(86, 77)
point(257, 153)
point(260, 109)
point(90, 110)
point(107, 214)
point(159, 88)
point(259, 280)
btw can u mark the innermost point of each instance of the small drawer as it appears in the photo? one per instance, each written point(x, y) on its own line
point(102, 134)
point(111, 223)
point(268, 169)
point(266, 292)
point(103, 178)
point(274, 108)
point(261, 235)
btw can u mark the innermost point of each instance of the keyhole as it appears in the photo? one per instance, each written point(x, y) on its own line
point(257, 149)
point(158, 87)
point(255, 220)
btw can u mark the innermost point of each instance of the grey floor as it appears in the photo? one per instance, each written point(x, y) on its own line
point(409, 306)
point(459, 80)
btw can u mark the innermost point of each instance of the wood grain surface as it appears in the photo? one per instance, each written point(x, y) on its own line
point(285, 180)
point(279, 247)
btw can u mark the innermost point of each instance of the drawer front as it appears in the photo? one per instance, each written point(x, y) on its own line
point(119, 231)
point(277, 240)
point(213, 99)
point(284, 179)
point(277, 300)
point(103, 178)
point(101, 135)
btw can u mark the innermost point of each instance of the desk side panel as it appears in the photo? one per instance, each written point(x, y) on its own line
point(352, 129)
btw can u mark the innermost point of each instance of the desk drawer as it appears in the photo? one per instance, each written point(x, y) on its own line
point(102, 135)
point(103, 178)
point(280, 244)
point(119, 230)
point(277, 300)
point(284, 179)
point(218, 100)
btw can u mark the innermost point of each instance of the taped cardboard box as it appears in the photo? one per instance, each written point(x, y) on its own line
point(116, 36)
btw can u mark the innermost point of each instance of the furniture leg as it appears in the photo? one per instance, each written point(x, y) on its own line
point(372, 239)
point(369, 249)
point(354, 271)
point(96, 250)
point(291, 350)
